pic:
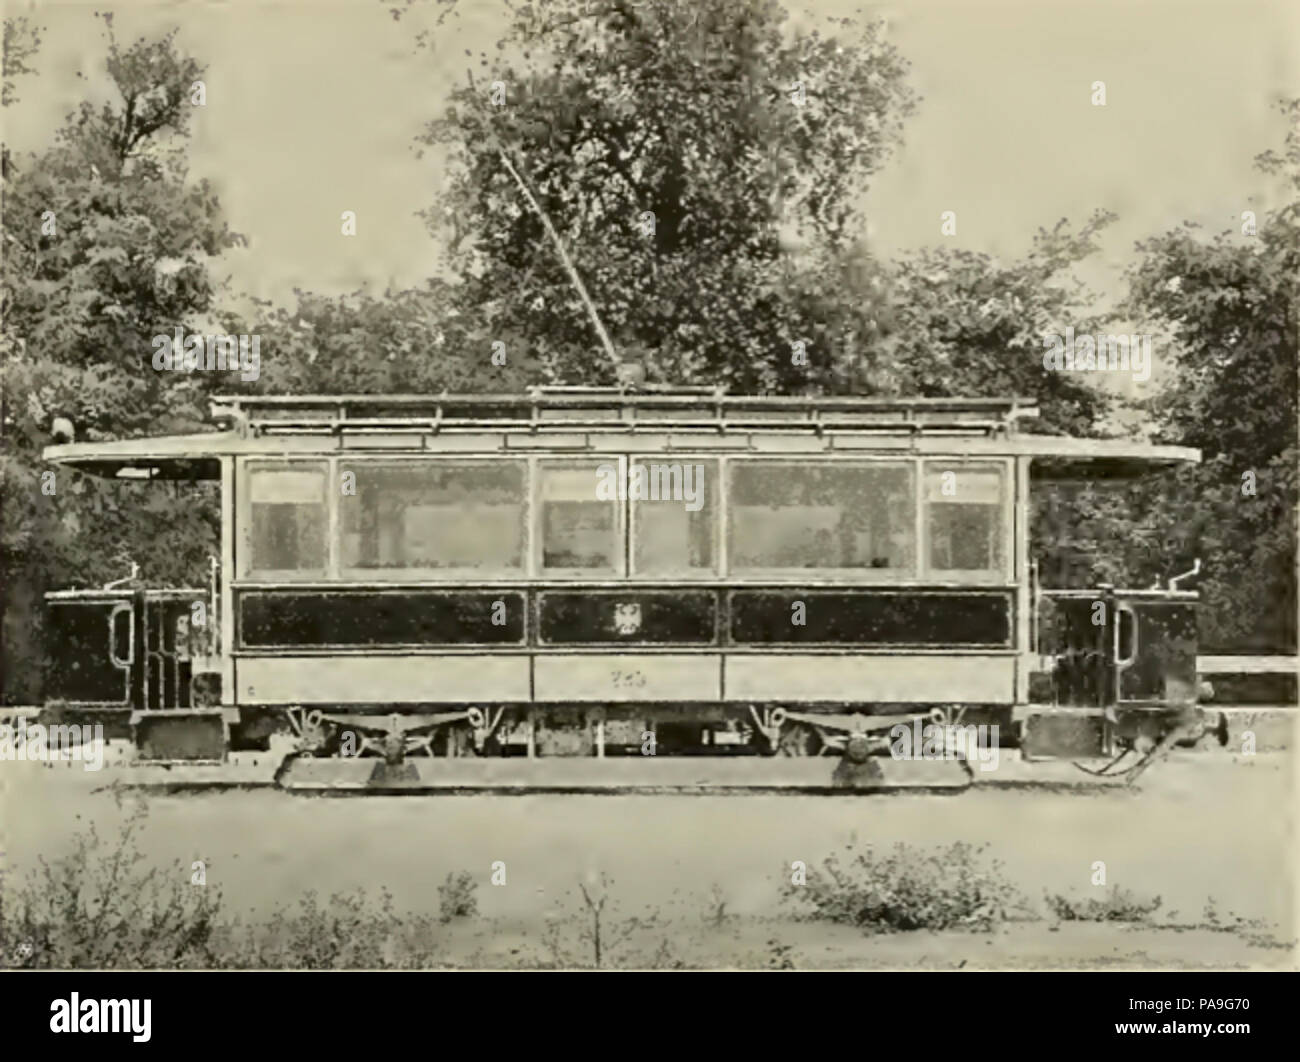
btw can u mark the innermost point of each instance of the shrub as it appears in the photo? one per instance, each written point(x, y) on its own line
point(593, 932)
point(457, 896)
point(905, 889)
point(349, 931)
point(96, 908)
point(1119, 905)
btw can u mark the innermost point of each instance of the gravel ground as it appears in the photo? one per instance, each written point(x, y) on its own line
point(1204, 825)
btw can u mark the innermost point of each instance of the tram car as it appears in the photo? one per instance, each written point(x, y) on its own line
point(581, 572)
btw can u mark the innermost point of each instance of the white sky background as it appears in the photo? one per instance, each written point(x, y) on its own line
point(313, 104)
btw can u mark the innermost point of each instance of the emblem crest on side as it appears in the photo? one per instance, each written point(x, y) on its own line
point(627, 617)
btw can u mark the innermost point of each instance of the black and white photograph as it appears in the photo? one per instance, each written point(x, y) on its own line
point(649, 485)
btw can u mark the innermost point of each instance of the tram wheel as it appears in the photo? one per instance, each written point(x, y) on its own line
point(798, 739)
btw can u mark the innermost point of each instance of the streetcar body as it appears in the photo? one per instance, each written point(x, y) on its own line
point(589, 572)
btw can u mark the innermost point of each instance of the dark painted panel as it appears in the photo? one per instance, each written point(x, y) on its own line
point(169, 737)
point(295, 618)
point(79, 667)
point(1165, 665)
point(682, 618)
point(1083, 632)
point(871, 618)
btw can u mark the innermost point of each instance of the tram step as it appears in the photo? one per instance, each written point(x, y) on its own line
point(195, 735)
point(580, 774)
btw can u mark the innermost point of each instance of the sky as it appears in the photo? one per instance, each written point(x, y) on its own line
point(313, 106)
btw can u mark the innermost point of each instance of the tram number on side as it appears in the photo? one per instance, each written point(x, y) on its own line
point(628, 680)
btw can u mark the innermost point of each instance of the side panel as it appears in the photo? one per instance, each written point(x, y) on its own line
point(610, 678)
point(1117, 647)
point(903, 678)
point(915, 618)
point(1163, 668)
point(680, 617)
point(451, 638)
point(291, 619)
point(625, 677)
point(88, 663)
point(382, 679)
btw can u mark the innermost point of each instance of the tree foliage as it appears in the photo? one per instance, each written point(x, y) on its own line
point(106, 244)
point(22, 40)
point(1230, 304)
point(680, 149)
point(1224, 310)
point(965, 324)
point(417, 341)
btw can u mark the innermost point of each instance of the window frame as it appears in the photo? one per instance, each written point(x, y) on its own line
point(889, 576)
point(244, 520)
point(622, 545)
point(344, 574)
point(968, 577)
point(531, 569)
point(717, 569)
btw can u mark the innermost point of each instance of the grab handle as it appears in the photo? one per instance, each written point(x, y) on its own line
point(1120, 612)
point(124, 663)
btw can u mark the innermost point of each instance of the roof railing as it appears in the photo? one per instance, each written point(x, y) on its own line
point(568, 409)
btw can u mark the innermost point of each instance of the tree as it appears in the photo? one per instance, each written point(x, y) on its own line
point(22, 40)
point(1231, 305)
point(963, 324)
point(414, 341)
point(680, 148)
point(107, 244)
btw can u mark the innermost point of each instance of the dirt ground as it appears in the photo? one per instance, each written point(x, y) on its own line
point(762, 943)
point(1205, 828)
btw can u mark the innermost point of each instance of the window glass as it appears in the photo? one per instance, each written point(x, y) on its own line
point(676, 507)
point(786, 516)
point(964, 519)
point(434, 515)
point(579, 518)
point(287, 519)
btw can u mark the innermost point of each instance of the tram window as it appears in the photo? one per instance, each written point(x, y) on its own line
point(579, 528)
point(434, 515)
point(829, 516)
point(287, 520)
point(676, 505)
point(965, 507)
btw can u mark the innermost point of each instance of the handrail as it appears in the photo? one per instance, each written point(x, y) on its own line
point(1008, 408)
point(300, 425)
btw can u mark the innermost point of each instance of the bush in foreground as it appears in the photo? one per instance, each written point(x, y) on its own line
point(457, 896)
point(905, 888)
point(1118, 905)
point(98, 908)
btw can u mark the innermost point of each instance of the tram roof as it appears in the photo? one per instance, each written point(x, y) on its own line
point(573, 420)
